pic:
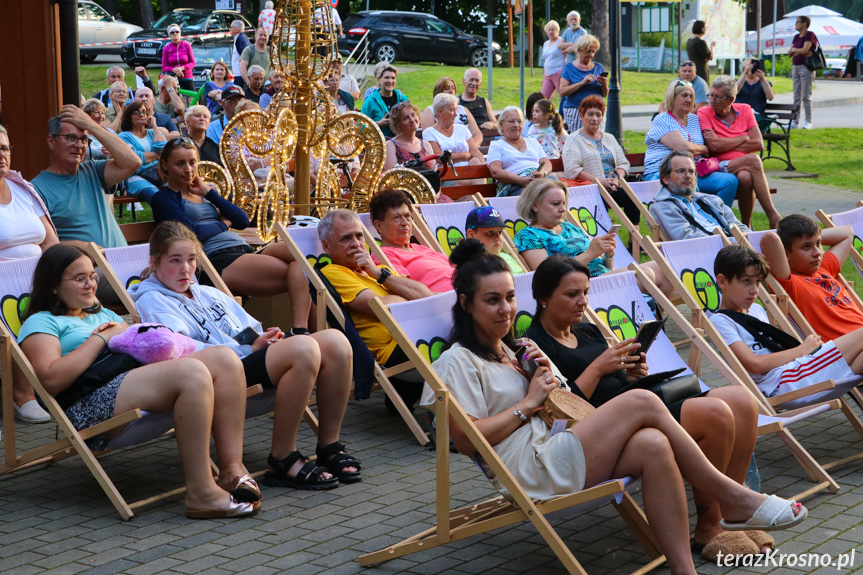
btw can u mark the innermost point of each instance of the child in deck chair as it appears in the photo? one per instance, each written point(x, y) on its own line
point(809, 275)
point(775, 360)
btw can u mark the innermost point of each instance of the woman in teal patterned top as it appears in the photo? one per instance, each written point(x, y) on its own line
point(543, 205)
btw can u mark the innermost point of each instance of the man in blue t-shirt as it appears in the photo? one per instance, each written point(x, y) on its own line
point(573, 32)
point(76, 192)
point(686, 73)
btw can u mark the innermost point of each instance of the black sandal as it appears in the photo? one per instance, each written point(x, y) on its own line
point(335, 461)
point(309, 477)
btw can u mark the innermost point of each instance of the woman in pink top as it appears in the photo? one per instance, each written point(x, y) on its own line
point(178, 58)
point(391, 216)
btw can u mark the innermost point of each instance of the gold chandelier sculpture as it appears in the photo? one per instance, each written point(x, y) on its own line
point(302, 123)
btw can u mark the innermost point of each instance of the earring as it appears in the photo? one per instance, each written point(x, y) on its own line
point(543, 306)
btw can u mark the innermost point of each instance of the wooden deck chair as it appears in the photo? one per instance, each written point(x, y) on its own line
point(617, 301)
point(683, 263)
point(420, 327)
point(15, 284)
point(308, 251)
point(853, 218)
point(122, 268)
point(587, 210)
point(445, 223)
point(642, 194)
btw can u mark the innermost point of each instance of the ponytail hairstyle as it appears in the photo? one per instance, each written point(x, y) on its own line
point(548, 276)
point(556, 121)
point(166, 235)
point(472, 263)
point(47, 276)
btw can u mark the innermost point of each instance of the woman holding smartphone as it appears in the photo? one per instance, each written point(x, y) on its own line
point(723, 422)
point(753, 87)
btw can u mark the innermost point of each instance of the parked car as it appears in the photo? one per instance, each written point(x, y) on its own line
point(95, 25)
point(147, 46)
point(415, 37)
point(207, 52)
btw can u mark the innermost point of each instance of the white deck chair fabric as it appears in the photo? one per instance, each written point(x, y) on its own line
point(646, 191)
point(366, 219)
point(128, 262)
point(589, 211)
point(16, 279)
point(447, 222)
point(853, 218)
point(513, 223)
point(692, 261)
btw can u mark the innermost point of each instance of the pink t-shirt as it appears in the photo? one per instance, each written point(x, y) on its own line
point(742, 123)
point(424, 265)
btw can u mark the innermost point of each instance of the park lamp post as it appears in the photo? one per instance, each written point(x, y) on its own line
point(613, 120)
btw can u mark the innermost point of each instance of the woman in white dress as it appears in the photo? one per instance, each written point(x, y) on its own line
point(447, 134)
point(485, 379)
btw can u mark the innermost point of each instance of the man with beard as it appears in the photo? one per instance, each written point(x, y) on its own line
point(680, 210)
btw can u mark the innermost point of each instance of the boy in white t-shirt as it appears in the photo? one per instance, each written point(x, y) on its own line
point(776, 361)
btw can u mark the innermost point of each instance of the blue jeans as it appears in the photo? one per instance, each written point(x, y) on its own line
point(141, 188)
point(716, 184)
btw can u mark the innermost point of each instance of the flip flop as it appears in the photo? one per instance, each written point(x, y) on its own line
point(772, 515)
point(244, 489)
point(729, 543)
point(236, 509)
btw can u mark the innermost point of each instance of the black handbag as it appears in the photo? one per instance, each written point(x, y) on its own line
point(107, 366)
point(816, 61)
point(677, 389)
point(432, 176)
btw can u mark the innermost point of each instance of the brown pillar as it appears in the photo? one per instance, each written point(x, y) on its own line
point(30, 76)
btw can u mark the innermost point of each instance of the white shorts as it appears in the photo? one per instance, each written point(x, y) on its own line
point(826, 363)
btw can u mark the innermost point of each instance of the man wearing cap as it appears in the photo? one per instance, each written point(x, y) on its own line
point(230, 96)
point(686, 73)
point(486, 225)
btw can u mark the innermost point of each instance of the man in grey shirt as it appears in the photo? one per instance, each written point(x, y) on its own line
point(573, 32)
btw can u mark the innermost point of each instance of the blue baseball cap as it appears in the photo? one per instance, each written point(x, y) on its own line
point(484, 217)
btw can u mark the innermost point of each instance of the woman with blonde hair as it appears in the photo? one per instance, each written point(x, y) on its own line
point(405, 146)
point(446, 85)
point(581, 78)
point(119, 93)
point(552, 60)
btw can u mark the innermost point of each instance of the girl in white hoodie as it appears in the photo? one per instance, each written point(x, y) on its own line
point(292, 366)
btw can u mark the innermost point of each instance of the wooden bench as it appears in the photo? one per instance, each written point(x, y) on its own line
point(137, 233)
point(775, 125)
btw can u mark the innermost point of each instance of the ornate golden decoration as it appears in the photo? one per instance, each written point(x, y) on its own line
point(214, 174)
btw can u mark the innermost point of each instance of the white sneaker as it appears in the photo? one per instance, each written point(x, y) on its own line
point(794, 125)
point(31, 412)
point(807, 126)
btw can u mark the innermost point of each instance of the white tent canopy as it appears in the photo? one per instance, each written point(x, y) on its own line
point(835, 33)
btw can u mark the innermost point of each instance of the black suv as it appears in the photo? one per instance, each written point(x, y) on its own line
point(415, 37)
point(192, 21)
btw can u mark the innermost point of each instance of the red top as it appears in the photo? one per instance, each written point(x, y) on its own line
point(742, 123)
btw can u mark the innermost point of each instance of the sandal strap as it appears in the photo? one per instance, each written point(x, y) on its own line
point(281, 466)
point(311, 473)
point(342, 460)
point(331, 449)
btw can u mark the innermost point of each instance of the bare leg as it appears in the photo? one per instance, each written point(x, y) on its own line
point(850, 346)
point(185, 386)
point(271, 272)
point(752, 164)
point(229, 407)
point(745, 197)
point(659, 278)
point(22, 391)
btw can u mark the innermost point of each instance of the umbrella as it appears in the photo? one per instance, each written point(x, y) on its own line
point(836, 34)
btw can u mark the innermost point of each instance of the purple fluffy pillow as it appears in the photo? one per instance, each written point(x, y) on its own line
point(152, 343)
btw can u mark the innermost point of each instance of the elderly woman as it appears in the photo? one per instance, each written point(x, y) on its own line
point(753, 87)
point(391, 215)
point(803, 43)
point(581, 78)
point(732, 136)
point(723, 422)
point(543, 205)
point(140, 132)
point(552, 60)
point(514, 161)
point(119, 93)
point(446, 85)
point(633, 434)
point(377, 106)
point(96, 110)
point(197, 122)
point(26, 230)
point(220, 78)
point(405, 146)
point(178, 58)
point(343, 99)
point(678, 129)
point(448, 134)
point(591, 154)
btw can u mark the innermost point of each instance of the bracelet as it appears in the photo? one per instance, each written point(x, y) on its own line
point(102, 337)
point(519, 414)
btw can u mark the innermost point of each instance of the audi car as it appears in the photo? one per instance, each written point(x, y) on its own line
point(409, 36)
point(146, 49)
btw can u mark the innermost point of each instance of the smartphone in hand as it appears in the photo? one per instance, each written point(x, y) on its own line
point(614, 229)
point(528, 366)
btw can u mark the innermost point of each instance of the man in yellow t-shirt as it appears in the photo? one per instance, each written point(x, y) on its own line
point(358, 280)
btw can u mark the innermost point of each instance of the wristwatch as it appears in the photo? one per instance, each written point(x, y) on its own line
point(385, 273)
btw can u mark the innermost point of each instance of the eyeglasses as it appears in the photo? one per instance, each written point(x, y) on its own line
point(84, 280)
point(683, 172)
point(72, 139)
point(140, 112)
point(683, 83)
point(182, 141)
point(6, 150)
point(716, 97)
point(172, 32)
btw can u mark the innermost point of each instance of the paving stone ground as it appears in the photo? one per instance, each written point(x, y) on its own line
point(57, 519)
